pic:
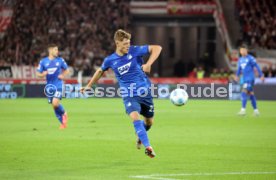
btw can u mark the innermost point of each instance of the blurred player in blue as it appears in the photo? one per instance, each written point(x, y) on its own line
point(54, 68)
point(126, 62)
point(246, 65)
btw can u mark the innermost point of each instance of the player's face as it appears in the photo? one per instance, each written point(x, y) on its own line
point(243, 51)
point(53, 51)
point(123, 45)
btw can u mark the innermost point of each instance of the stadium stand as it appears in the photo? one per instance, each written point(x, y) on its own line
point(258, 22)
point(81, 27)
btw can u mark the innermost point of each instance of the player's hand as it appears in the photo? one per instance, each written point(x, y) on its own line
point(61, 76)
point(146, 68)
point(262, 79)
point(236, 78)
point(82, 90)
point(44, 73)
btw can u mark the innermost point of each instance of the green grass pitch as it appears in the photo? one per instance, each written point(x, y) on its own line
point(204, 139)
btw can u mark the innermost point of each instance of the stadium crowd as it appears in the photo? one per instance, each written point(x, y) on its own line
point(82, 28)
point(269, 71)
point(258, 22)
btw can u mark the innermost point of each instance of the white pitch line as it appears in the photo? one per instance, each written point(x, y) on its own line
point(162, 176)
point(151, 177)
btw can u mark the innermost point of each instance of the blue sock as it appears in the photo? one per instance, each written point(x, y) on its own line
point(141, 132)
point(59, 111)
point(253, 101)
point(58, 115)
point(147, 127)
point(243, 99)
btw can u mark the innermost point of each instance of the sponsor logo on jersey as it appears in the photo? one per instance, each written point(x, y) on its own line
point(51, 70)
point(243, 65)
point(124, 69)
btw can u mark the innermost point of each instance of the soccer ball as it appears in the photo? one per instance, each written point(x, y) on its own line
point(179, 97)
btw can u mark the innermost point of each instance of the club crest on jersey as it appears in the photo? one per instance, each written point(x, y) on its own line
point(124, 69)
point(129, 57)
point(243, 65)
point(51, 70)
point(57, 63)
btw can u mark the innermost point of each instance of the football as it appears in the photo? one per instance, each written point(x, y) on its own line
point(179, 97)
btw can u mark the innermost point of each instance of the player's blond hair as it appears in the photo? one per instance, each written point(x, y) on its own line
point(52, 45)
point(121, 34)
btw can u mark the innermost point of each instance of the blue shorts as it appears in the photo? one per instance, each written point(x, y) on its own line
point(58, 95)
point(143, 105)
point(248, 85)
point(52, 92)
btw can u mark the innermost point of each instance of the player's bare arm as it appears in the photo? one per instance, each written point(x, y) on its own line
point(41, 75)
point(97, 75)
point(63, 74)
point(154, 51)
point(236, 78)
point(262, 78)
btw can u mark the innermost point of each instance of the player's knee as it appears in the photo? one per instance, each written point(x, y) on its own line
point(149, 121)
point(55, 104)
point(134, 116)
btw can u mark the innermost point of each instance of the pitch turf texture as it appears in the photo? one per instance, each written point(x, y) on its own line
point(202, 140)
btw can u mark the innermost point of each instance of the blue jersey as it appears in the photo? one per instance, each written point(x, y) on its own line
point(246, 67)
point(128, 70)
point(54, 68)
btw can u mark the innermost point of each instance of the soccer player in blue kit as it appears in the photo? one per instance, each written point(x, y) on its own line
point(246, 65)
point(126, 62)
point(54, 68)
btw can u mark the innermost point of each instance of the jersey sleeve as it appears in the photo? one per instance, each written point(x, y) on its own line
point(141, 50)
point(105, 65)
point(40, 67)
point(255, 64)
point(64, 65)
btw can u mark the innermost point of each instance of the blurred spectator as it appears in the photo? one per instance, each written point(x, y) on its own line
point(97, 64)
point(265, 71)
point(193, 73)
point(231, 76)
point(223, 73)
point(215, 74)
point(200, 73)
point(80, 28)
point(258, 22)
point(269, 72)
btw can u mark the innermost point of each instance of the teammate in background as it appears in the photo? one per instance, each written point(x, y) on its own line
point(246, 65)
point(54, 68)
point(126, 62)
